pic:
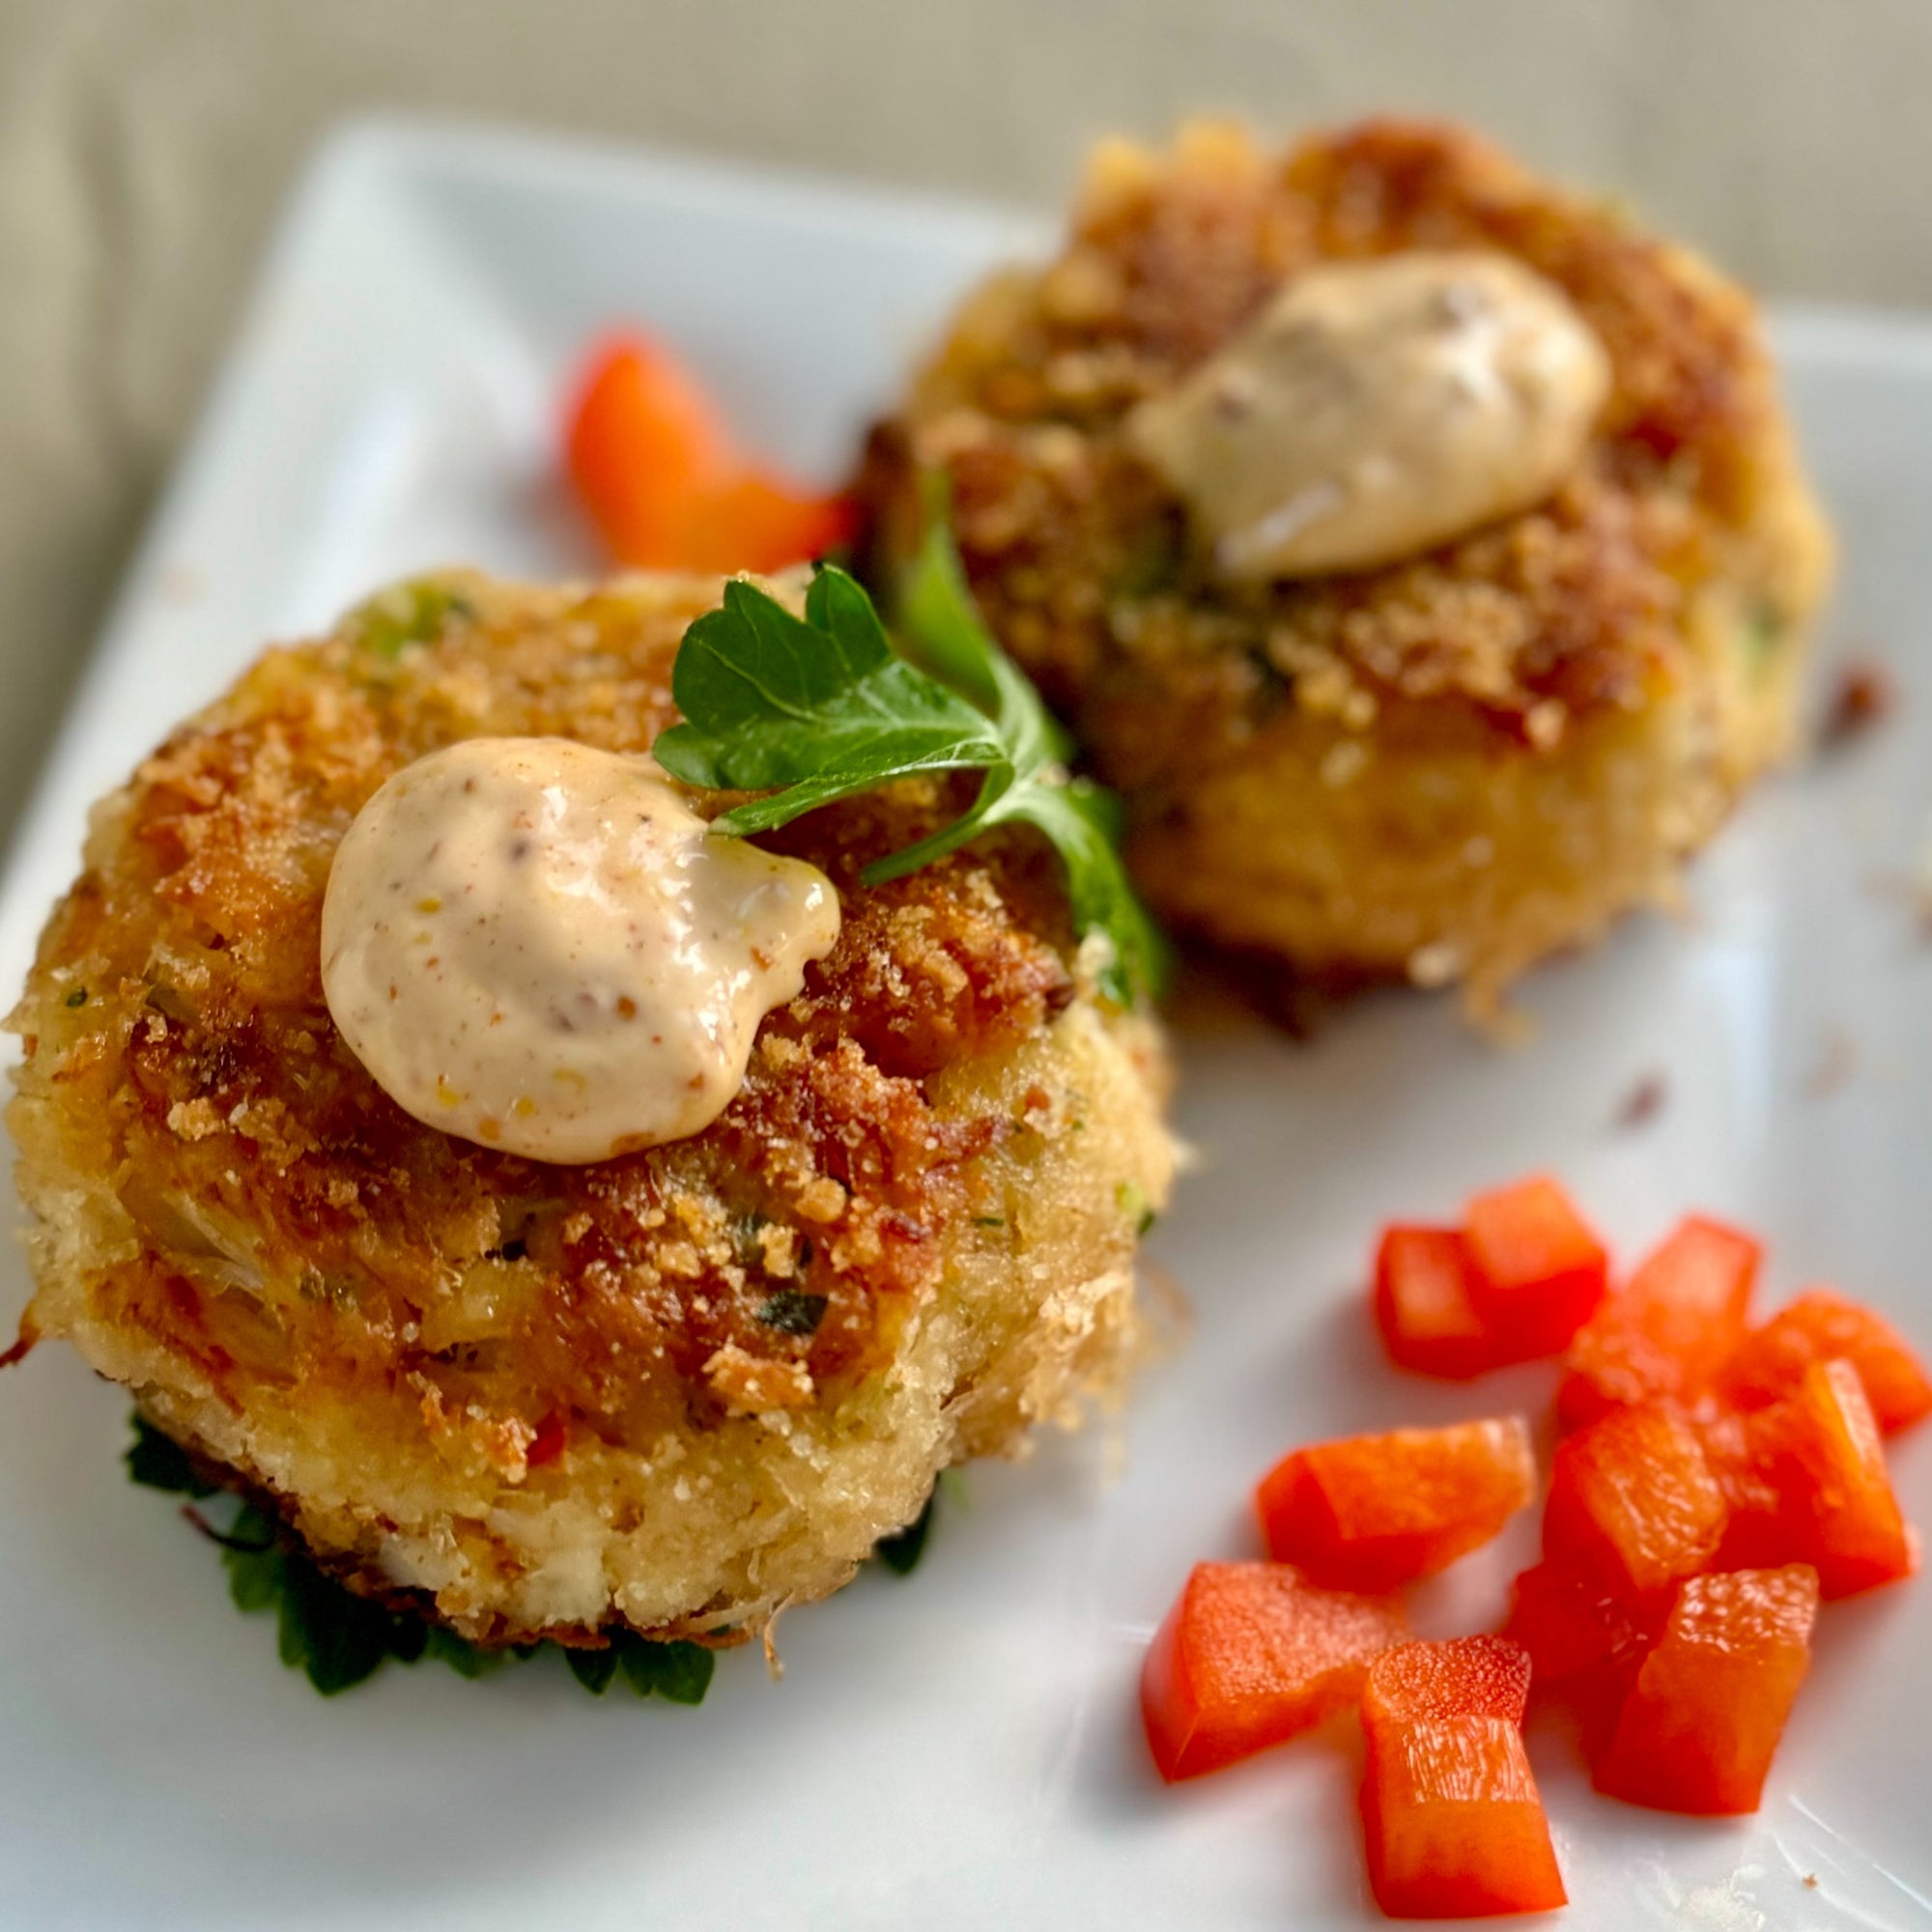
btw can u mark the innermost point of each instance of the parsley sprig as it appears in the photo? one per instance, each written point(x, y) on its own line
point(808, 710)
point(339, 1638)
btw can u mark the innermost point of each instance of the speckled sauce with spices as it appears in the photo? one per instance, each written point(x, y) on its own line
point(1374, 409)
point(541, 946)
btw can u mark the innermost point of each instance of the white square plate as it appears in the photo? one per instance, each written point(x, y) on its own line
point(959, 1749)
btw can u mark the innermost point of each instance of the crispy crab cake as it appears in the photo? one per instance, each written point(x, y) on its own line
point(675, 1391)
point(1449, 764)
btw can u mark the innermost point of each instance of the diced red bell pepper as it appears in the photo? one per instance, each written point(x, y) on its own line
point(1820, 1325)
point(1752, 1539)
point(757, 522)
point(1425, 1303)
point(1698, 1730)
point(1540, 1271)
point(1587, 1643)
point(1450, 1812)
point(1250, 1655)
point(1820, 1455)
point(1571, 1625)
point(640, 438)
point(1373, 1511)
point(1664, 1336)
point(1633, 1501)
point(654, 465)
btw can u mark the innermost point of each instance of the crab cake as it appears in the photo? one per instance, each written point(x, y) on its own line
point(1420, 549)
point(675, 1389)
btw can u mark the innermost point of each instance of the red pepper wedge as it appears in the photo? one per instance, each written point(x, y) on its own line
point(1633, 1501)
point(655, 467)
point(755, 522)
point(1700, 1726)
point(640, 438)
point(1451, 1817)
point(1369, 1512)
point(1819, 1457)
point(1250, 1654)
point(1819, 1326)
point(1540, 1271)
point(1669, 1330)
point(1585, 1643)
point(1573, 1625)
point(1426, 1303)
point(1753, 1538)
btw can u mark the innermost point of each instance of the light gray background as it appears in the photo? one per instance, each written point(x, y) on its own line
point(145, 146)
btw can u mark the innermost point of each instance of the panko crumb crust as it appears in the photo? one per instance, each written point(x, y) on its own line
point(1444, 768)
point(676, 1391)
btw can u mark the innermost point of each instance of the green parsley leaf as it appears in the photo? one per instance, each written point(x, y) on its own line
point(462, 1656)
point(808, 710)
point(900, 1552)
point(340, 1639)
point(678, 1672)
point(157, 1461)
point(817, 704)
point(593, 1668)
point(252, 1556)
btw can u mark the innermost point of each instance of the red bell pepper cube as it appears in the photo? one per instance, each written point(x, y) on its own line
point(1634, 1503)
point(1370, 1512)
point(640, 438)
point(1585, 1643)
point(756, 521)
point(1698, 1730)
point(1426, 1303)
point(1820, 1455)
point(1250, 1655)
point(1819, 1326)
point(1571, 1625)
point(1540, 1271)
point(1450, 1812)
point(1752, 1539)
point(1669, 1330)
point(655, 467)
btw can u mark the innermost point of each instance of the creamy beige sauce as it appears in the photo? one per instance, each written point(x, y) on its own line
point(540, 947)
point(1376, 408)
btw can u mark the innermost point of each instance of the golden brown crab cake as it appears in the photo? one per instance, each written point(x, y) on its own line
point(1444, 765)
point(677, 1390)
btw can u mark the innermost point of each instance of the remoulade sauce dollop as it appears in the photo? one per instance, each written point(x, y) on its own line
point(540, 947)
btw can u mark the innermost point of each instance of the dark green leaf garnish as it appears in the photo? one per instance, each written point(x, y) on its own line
point(900, 1552)
point(593, 1668)
point(77, 998)
point(791, 1311)
point(678, 1672)
point(157, 1461)
point(462, 1656)
point(339, 1638)
point(808, 710)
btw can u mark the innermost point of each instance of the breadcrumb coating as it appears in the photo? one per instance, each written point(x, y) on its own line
point(677, 1390)
point(1442, 768)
